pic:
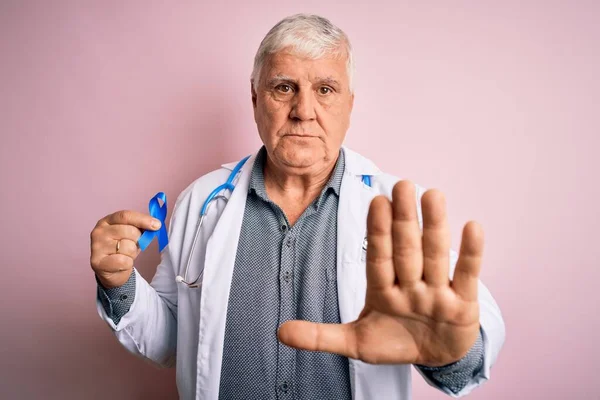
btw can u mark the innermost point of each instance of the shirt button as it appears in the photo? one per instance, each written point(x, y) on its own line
point(289, 242)
point(123, 297)
point(284, 387)
point(284, 228)
point(287, 276)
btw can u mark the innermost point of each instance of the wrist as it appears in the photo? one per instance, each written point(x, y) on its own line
point(475, 348)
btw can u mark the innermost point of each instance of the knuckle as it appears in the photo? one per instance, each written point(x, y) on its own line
point(103, 274)
point(96, 262)
point(123, 261)
point(406, 247)
point(96, 235)
point(128, 263)
point(122, 216)
point(377, 258)
point(120, 261)
point(102, 221)
point(95, 247)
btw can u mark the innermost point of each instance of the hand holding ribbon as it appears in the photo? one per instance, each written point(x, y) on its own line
point(159, 213)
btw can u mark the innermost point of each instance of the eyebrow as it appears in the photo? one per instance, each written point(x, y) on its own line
point(328, 80)
point(281, 78)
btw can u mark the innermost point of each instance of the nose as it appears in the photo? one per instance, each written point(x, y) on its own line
point(303, 108)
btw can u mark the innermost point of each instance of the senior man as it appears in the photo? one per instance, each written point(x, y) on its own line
point(310, 283)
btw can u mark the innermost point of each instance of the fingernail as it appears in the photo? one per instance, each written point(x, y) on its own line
point(155, 224)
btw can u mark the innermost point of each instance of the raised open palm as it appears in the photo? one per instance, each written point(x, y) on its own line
point(413, 313)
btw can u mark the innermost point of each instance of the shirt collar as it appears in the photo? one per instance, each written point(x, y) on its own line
point(257, 177)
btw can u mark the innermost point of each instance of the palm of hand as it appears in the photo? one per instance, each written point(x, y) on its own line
point(413, 313)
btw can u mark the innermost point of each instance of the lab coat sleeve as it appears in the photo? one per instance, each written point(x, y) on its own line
point(149, 329)
point(491, 324)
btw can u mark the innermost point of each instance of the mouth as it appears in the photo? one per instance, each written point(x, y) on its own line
point(300, 135)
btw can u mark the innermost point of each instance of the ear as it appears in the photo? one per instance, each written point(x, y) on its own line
point(253, 92)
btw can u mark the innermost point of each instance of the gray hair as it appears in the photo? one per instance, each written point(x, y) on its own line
point(308, 35)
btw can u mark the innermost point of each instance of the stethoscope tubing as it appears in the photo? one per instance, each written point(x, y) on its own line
point(214, 195)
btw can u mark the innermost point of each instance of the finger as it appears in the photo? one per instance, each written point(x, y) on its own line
point(468, 266)
point(436, 239)
point(126, 247)
point(140, 220)
point(106, 244)
point(114, 263)
point(380, 265)
point(332, 338)
point(123, 232)
point(111, 246)
point(408, 256)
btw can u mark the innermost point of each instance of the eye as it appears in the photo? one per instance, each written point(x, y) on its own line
point(283, 88)
point(324, 90)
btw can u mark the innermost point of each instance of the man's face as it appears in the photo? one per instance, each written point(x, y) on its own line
point(302, 110)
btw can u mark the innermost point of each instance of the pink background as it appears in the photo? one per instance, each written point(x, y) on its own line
point(104, 104)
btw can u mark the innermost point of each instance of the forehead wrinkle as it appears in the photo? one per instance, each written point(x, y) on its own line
point(282, 77)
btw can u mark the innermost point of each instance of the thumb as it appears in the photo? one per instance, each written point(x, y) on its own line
point(332, 338)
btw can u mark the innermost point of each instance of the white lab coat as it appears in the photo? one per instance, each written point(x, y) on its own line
point(171, 324)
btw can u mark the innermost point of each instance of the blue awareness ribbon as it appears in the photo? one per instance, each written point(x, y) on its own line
point(160, 213)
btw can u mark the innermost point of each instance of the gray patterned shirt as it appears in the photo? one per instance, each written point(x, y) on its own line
point(285, 272)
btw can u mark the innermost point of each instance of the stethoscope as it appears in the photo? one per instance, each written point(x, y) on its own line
point(214, 196)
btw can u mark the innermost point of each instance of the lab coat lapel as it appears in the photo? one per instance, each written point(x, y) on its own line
point(216, 283)
point(353, 207)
